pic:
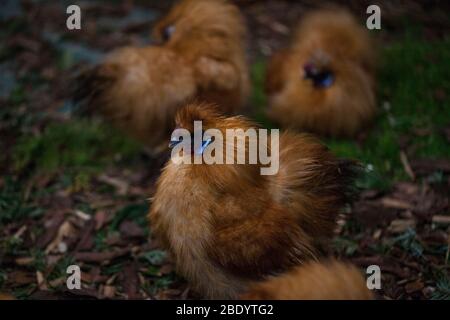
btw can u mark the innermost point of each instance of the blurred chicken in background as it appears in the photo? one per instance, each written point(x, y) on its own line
point(201, 56)
point(227, 225)
point(326, 280)
point(324, 82)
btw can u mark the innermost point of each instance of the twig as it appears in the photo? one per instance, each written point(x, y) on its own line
point(406, 165)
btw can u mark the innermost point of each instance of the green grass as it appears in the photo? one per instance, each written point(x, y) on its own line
point(78, 148)
point(413, 73)
point(135, 212)
point(13, 206)
point(442, 291)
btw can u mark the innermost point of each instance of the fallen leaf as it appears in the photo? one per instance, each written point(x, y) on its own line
point(414, 286)
point(427, 166)
point(100, 256)
point(52, 226)
point(101, 217)
point(19, 278)
point(129, 229)
point(130, 281)
point(87, 237)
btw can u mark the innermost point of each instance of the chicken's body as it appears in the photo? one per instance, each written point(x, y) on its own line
point(329, 280)
point(140, 89)
point(227, 225)
point(211, 36)
point(203, 58)
point(324, 82)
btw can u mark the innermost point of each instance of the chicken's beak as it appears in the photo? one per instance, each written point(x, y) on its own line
point(173, 143)
point(309, 71)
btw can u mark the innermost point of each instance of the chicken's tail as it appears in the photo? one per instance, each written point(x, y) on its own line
point(90, 84)
point(327, 280)
point(314, 182)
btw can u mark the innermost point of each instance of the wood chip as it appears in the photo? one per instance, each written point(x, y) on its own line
point(20, 232)
point(401, 225)
point(109, 291)
point(24, 261)
point(40, 279)
point(82, 215)
point(441, 219)
point(377, 234)
point(65, 230)
point(395, 203)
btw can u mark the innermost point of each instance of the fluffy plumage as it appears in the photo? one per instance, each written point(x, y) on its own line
point(327, 280)
point(210, 35)
point(227, 225)
point(201, 56)
point(324, 82)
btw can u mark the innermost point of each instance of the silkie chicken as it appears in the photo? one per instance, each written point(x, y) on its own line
point(227, 225)
point(200, 55)
point(324, 82)
point(327, 280)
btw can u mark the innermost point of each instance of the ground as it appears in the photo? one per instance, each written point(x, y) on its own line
point(75, 190)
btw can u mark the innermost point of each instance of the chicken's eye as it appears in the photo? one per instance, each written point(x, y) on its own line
point(168, 32)
point(174, 141)
point(320, 78)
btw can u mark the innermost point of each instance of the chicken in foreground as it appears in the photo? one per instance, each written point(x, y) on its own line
point(227, 225)
point(324, 82)
point(201, 56)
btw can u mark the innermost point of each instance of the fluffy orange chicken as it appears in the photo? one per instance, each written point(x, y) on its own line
point(329, 280)
point(227, 225)
point(324, 82)
point(201, 56)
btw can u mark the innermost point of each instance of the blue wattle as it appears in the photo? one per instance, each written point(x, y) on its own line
point(203, 146)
